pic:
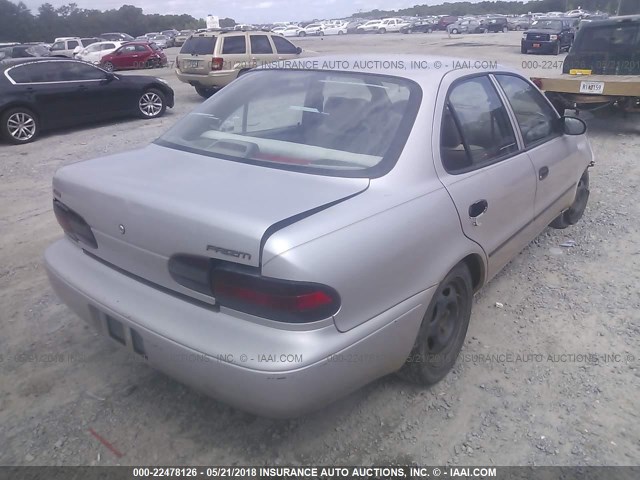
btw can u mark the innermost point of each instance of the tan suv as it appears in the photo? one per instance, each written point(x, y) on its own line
point(210, 60)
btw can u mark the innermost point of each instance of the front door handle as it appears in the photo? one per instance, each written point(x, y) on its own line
point(476, 210)
point(543, 172)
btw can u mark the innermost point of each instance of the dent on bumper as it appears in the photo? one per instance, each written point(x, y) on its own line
point(258, 368)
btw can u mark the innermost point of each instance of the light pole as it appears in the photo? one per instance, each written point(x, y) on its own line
point(619, 6)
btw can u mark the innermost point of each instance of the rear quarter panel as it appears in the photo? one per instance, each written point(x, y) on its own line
point(376, 249)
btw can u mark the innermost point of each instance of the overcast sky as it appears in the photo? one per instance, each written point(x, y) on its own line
point(249, 11)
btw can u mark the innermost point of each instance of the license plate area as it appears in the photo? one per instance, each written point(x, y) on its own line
point(593, 88)
point(192, 63)
point(536, 45)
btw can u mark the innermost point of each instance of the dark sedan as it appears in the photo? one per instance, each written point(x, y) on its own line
point(39, 94)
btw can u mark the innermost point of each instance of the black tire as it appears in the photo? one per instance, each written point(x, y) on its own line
point(340, 32)
point(574, 213)
point(204, 92)
point(321, 34)
point(523, 50)
point(108, 66)
point(454, 31)
point(302, 34)
point(382, 30)
point(518, 28)
point(442, 331)
point(151, 104)
point(19, 125)
point(556, 50)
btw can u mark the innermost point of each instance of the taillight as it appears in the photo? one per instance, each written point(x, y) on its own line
point(217, 63)
point(280, 300)
point(73, 224)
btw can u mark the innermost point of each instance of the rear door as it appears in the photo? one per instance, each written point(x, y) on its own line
point(262, 51)
point(484, 169)
point(234, 51)
point(557, 162)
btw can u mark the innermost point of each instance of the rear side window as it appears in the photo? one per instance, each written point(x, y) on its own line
point(37, 73)
point(199, 46)
point(72, 44)
point(233, 45)
point(535, 116)
point(260, 44)
point(610, 39)
point(476, 129)
point(284, 46)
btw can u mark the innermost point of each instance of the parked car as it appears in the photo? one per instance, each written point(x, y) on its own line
point(24, 51)
point(182, 37)
point(279, 30)
point(519, 23)
point(160, 40)
point(39, 94)
point(335, 29)
point(64, 47)
point(467, 26)
point(117, 37)
point(134, 55)
point(85, 42)
point(94, 52)
point(548, 35)
point(445, 21)
point(208, 61)
point(293, 31)
point(496, 24)
point(171, 37)
point(352, 27)
point(391, 25)
point(422, 26)
point(402, 211)
point(313, 29)
point(368, 27)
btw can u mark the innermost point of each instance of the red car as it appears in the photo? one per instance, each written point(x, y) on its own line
point(134, 55)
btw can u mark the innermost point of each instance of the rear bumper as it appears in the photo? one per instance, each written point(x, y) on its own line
point(544, 46)
point(259, 368)
point(212, 79)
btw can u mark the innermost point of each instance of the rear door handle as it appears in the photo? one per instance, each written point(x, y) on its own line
point(543, 172)
point(476, 210)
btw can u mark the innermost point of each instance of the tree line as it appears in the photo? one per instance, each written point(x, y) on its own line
point(19, 24)
point(622, 7)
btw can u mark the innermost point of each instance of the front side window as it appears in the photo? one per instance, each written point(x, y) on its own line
point(57, 46)
point(260, 44)
point(128, 49)
point(536, 118)
point(76, 71)
point(346, 124)
point(234, 45)
point(483, 132)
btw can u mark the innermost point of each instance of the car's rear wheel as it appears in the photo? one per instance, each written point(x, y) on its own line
point(19, 125)
point(577, 208)
point(442, 331)
point(152, 104)
point(205, 92)
point(108, 66)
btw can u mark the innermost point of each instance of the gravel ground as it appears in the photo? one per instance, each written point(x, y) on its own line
point(548, 376)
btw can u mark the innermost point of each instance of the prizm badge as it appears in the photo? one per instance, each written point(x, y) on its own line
point(230, 253)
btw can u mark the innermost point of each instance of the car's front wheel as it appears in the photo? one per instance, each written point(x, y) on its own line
point(204, 92)
point(454, 31)
point(108, 66)
point(577, 208)
point(442, 331)
point(19, 125)
point(152, 104)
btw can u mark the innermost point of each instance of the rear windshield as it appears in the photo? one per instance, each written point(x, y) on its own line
point(547, 24)
point(199, 46)
point(335, 123)
point(609, 39)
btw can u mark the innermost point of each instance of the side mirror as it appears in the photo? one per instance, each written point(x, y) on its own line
point(298, 50)
point(573, 126)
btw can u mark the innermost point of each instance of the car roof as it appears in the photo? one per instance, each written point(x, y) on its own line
point(613, 21)
point(396, 65)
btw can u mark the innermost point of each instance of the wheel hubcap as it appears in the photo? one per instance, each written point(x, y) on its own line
point(445, 319)
point(150, 104)
point(21, 126)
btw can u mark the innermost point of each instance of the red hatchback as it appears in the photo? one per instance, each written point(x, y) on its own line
point(134, 55)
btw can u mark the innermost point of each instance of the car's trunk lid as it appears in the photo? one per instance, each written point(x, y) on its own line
point(196, 54)
point(147, 205)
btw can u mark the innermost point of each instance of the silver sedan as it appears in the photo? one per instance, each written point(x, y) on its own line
point(305, 232)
